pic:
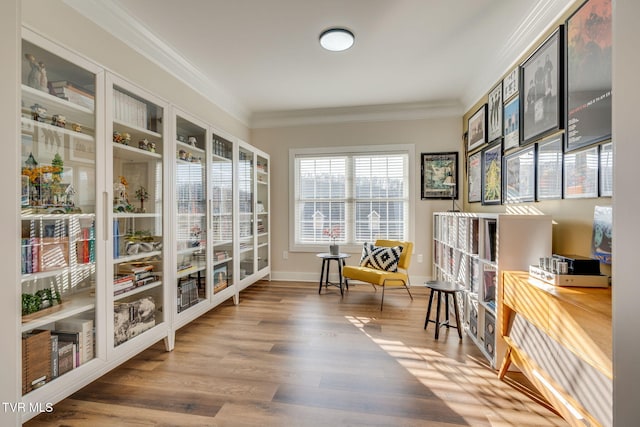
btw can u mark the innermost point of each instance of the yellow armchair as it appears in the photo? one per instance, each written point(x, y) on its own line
point(381, 277)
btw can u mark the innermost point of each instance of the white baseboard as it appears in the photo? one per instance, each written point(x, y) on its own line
point(299, 276)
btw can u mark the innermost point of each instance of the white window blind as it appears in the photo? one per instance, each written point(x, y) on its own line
point(351, 197)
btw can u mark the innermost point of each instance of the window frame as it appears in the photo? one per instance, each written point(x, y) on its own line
point(392, 149)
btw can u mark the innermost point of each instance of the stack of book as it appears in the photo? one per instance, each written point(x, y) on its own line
point(129, 110)
point(131, 276)
point(73, 93)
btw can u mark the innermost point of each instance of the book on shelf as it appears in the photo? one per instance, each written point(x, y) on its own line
point(71, 92)
point(490, 236)
point(489, 282)
point(85, 328)
point(65, 356)
point(116, 239)
point(133, 318)
point(75, 339)
point(54, 356)
point(135, 267)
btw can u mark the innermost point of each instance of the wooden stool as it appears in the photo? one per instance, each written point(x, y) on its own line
point(440, 287)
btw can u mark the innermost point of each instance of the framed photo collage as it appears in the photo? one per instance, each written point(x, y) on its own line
point(545, 131)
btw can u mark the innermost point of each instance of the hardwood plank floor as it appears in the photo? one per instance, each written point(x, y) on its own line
point(286, 356)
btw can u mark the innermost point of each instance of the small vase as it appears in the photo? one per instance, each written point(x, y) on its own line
point(334, 249)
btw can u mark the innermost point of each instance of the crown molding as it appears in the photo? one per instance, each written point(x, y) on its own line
point(542, 18)
point(113, 18)
point(368, 113)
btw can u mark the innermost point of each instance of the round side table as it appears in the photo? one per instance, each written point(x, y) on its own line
point(324, 273)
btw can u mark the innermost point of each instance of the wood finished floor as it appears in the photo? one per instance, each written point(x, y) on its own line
point(286, 356)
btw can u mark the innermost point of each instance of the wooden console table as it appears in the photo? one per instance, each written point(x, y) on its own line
point(561, 339)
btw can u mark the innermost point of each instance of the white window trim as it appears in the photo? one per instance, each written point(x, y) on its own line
point(409, 149)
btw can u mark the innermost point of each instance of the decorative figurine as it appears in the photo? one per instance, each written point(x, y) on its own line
point(37, 78)
point(192, 141)
point(142, 194)
point(151, 146)
point(143, 144)
point(77, 127)
point(38, 113)
point(59, 120)
point(182, 155)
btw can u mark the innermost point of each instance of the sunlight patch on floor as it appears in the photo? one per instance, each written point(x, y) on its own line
point(448, 377)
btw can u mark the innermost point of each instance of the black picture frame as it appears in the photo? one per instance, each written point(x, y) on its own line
point(588, 74)
point(519, 172)
point(510, 84)
point(606, 170)
point(511, 120)
point(435, 168)
point(492, 174)
point(541, 90)
point(474, 177)
point(549, 167)
point(477, 128)
point(581, 173)
point(494, 114)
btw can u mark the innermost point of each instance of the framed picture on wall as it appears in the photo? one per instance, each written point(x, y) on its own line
point(581, 173)
point(492, 174)
point(439, 175)
point(474, 177)
point(511, 119)
point(510, 84)
point(519, 176)
point(494, 119)
point(588, 78)
point(477, 128)
point(540, 90)
point(606, 170)
point(549, 169)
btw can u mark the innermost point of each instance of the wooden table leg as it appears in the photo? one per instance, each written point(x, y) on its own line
point(506, 362)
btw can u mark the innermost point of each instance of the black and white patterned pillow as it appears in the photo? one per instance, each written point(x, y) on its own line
point(380, 257)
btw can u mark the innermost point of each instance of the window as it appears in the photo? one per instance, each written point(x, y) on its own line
point(352, 195)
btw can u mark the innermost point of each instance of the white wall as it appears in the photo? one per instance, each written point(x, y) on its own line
point(626, 231)
point(428, 135)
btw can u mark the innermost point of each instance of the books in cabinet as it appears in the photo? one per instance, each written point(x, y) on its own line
point(83, 327)
point(66, 356)
point(133, 318)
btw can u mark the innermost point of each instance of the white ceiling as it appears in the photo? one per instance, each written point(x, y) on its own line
point(260, 60)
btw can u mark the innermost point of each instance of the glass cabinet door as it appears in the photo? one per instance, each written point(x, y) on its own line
point(58, 214)
point(191, 198)
point(262, 211)
point(222, 213)
point(246, 212)
point(137, 212)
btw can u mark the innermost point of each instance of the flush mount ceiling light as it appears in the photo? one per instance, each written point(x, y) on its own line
point(336, 39)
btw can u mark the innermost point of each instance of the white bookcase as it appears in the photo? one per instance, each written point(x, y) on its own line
point(473, 249)
point(138, 291)
point(124, 198)
point(253, 215)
